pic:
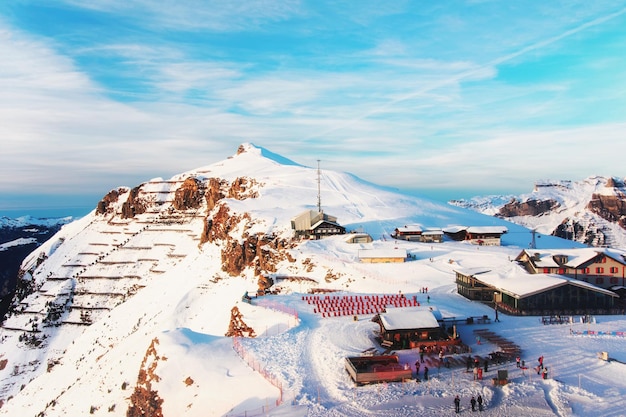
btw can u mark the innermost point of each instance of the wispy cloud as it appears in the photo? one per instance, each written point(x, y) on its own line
point(403, 96)
point(193, 15)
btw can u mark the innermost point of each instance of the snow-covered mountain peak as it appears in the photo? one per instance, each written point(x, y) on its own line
point(126, 307)
point(592, 210)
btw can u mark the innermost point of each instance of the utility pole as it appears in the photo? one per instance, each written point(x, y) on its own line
point(533, 243)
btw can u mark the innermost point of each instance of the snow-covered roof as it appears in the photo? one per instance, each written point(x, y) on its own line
point(432, 232)
point(382, 253)
point(472, 271)
point(487, 229)
point(576, 257)
point(520, 284)
point(325, 221)
point(408, 318)
point(454, 229)
point(410, 228)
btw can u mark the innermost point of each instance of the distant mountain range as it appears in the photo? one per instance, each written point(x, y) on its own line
point(591, 211)
point(18, 238)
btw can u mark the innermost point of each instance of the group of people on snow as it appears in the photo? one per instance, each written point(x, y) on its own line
point(474, 401)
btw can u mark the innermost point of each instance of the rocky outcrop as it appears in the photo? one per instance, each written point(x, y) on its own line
point(609, 207)
point(517, 208)
point(134, 204)
point(243, 188)
point(237, 327)
point(265, 283)
point(105, 205)
point(213, 193)
point(588, 234)
point(145, 401)
point(189, 195)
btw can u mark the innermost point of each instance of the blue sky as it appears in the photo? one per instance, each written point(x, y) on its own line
point(451, 98)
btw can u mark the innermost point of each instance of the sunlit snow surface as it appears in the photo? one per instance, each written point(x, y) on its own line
point(187, 300)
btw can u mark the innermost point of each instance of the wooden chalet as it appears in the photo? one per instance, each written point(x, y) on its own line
point(358, 238)
point(312, 224)
point(411, 233)
point(411, 327)
point(415, 233)
point(602, 267)
point(477, 235)
point(382, 255)
point(520, 293)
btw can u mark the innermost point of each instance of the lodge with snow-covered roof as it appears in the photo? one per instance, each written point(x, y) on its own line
point(415, 233)
point(477, 235)
point(520, 293)
point(312, 224)
point(410, 327)
point(604, 268)
point(382, 255)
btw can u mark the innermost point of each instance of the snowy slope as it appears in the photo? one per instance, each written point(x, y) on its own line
point(571, 213)
point(144, 307)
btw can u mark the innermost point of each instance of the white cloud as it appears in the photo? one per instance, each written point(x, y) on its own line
point(191, 15)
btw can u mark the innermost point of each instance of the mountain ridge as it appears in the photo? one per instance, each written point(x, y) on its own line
point(108, 289)
point(591, 211)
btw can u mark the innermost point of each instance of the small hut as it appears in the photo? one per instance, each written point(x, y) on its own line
point(405, 328)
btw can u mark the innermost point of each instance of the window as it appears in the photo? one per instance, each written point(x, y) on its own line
point(599, 270)
point(587, 271)
point(599, 280)
point(614, 280)
point(613, 269)
point(561, 271)
point(546, 270)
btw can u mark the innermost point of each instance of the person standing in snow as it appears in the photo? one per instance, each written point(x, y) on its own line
point(479, 400)
point(422, 355)
point(426, 373)
point(486, 365)
point(457, 404)
point(544, 373)
point(473, 403)
point(517, 361)
point(468, 363)
point(540, 360)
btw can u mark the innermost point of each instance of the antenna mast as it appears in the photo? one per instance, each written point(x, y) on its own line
point(319, 194)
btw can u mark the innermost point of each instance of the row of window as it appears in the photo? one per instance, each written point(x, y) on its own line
point(587, 271)
point(611, 280)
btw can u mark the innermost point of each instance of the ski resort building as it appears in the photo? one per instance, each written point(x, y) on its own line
point(359, 238)
point(478, 235)
point(415, 233)
point(382, 255)
point(602, 267)
point(312, 224)
point(520, 293)
point(407, 328)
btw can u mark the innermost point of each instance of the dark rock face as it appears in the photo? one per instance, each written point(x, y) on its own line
point(134, 204)
point(588, 234)
point(241, 189)
point(214, 192)
point(609, 207)
point(527, 208)
point(189, 195)
point(104, 205)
